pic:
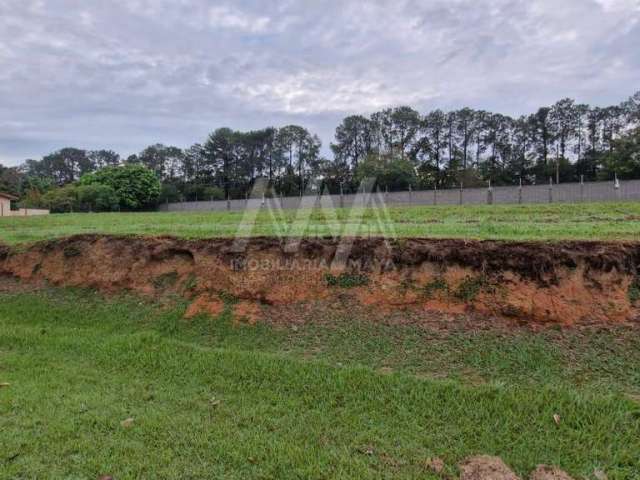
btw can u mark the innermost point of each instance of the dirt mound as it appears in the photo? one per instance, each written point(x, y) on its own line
point(544, 472)
point(563, 282)
point(484, 467)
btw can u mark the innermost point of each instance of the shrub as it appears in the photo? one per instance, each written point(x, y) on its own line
point(32, 199)
point(61, 200)
point(97, 198)
point(203, 192)
point(136, 186)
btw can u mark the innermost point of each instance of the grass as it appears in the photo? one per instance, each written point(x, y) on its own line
point(342, 399)
point(589, 221)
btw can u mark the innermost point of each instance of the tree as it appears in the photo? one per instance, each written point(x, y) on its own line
point(11, 180)
point(405, 124)
point(63, 166)
point(165, 161)
point(389, 172)
point(136, 186)
point(218, 152)
point(354, 137)
point(194, 165)
point(433, 142)
point(624, 159)
point(564, 119)
point(103, 158)
point(632, 109)
point(613, 122)
point(301, 148)
point(543, 133)
point(465, 127)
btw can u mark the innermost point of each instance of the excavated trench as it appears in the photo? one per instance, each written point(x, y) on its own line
point(563, 282)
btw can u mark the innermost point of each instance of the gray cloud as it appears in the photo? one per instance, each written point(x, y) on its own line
point(127, 73)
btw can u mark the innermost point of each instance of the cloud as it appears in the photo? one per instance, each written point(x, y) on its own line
point(127, 73)
point(226, 17)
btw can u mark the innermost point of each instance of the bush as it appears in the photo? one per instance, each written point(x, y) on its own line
point(61, 200)
point(32, 199)
point(169, 192)
point(389, 172)
point(136, 186)
point(96, 198)
point(195, 192)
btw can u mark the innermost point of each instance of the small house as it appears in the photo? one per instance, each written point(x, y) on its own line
point(5, 208)
point(5, 204)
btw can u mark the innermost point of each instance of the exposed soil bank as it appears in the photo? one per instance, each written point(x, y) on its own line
point(564, 282)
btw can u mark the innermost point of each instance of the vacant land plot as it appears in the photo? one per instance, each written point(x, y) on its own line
point(290, 371)
point(596, 221)
point(130, 389)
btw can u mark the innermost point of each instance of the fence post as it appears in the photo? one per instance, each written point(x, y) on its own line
point(386, 194)
point(410, 195)
point(550, 189)
point(520, 192)
point(228, 202)
point(341, 197)
point(616, 186)
point(435, 194)
point(581, 188)
point(490, 194)
point(461, 188)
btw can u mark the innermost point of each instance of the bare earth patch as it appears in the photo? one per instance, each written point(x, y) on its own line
point(544, 472)
point(566, 283)
point(484, 467)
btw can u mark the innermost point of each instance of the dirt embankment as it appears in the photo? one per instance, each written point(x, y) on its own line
point(564, 282)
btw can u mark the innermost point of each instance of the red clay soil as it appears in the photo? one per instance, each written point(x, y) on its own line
point(563, 282)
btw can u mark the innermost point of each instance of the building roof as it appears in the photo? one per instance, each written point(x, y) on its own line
point(8, 196)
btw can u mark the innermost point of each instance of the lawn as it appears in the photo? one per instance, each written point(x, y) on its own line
point(592, 221)
point(344, 399)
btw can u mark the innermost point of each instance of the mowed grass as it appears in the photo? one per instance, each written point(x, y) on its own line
point(346, 399)
point(589, 221)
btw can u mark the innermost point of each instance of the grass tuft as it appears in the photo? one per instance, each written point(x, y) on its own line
point(436, 285)
point(346, 280)
point(634, 291)
point(470, 287)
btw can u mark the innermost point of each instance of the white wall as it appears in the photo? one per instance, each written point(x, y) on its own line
point(5, 207)
point(5, 210)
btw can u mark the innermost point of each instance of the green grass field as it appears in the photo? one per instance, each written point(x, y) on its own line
point(594, 221)
point(345, 399)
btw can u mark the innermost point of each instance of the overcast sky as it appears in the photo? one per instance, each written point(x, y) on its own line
point(123, 74)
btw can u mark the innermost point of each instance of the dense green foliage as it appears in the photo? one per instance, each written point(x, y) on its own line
point(400, 147)
point(126, 187)
point(136, 186)
point(77, 198)
point(587, 221)
point(211, 398)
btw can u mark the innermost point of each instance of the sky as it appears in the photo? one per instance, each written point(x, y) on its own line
point(124, 74)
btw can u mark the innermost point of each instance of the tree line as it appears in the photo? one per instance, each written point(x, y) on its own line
point(400, 147)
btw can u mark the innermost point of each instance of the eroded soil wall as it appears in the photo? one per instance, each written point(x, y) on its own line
point(565, 282)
